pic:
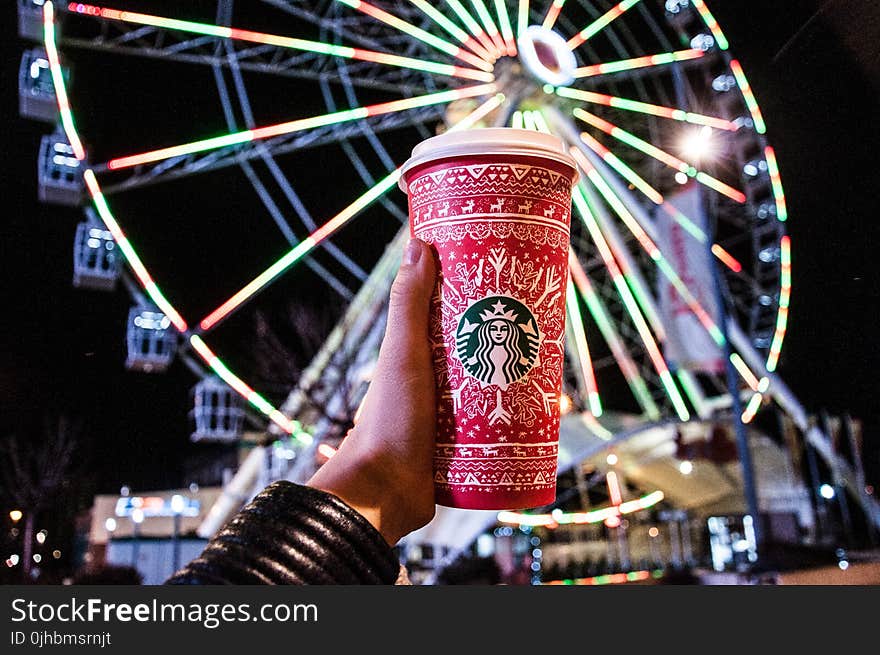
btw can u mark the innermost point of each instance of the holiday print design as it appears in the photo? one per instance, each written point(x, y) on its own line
point(501, 232)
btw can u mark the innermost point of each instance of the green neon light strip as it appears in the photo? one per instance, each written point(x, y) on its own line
point(597, 310)
point(454, 30)
point(690, 389)
point(627, 366)
point(746, 90)
point(784, 301)
point(491, 29)
point(645, 108)
point(474, 27)
point(289, 127)
point(505, 27)
point(101, 206)
point(131, 256)
point(417, 33)
point(652, 151)
point(631, 305)
point(601, 23)
point(293, 428)
point(625, 171)
point(664, 266)
point(309, 243)
point(712, 24)
point(776, 182)
point(638, 62)
point(651, 193)
point(58, 83)
point(581, 346)
point(223, 32)
point(752, 408)
point(553, 12)
point(557, 517)
point(522, 17)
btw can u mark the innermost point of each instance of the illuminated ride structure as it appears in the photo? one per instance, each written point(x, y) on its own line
point(680, 267)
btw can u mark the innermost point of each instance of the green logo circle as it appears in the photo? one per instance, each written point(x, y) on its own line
point(497, 340)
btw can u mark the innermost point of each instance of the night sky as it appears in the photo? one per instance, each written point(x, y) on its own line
point(815, 76)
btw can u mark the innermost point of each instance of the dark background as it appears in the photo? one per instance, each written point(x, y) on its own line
point(814, 69)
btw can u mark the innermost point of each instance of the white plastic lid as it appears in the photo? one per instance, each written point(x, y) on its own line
point(488, 141)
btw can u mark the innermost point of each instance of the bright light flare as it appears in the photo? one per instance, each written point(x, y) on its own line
point(698, 145)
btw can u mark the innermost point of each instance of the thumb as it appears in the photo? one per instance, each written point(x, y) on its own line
point(405, 345)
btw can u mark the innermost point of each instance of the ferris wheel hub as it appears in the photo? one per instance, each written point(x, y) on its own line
point(546, 55)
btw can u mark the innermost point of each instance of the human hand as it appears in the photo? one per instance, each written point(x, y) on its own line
point(383, 466)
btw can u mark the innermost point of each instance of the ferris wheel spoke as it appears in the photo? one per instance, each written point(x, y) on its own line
point(630, 269)
point(581, 349)
point(505, 27)
point(663, 264)
point(454, 30)
point(418, 33)
point(646, 61)
point(602, 318)
point(553, 12)
point(309, 243)
point(474, 27)
point(601, 23)
point(522, 17)
point(224, 32)
point(646, 108)
point(288, 127)
point(630, 304)
point(491, 29)
point(652, 151)
point(652, 194)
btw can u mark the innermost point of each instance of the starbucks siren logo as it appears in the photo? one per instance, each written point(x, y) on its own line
point(497, 340)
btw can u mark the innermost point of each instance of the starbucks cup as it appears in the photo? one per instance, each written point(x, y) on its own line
point(495, 204)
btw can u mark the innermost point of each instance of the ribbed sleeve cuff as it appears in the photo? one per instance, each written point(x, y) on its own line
point(294, 534)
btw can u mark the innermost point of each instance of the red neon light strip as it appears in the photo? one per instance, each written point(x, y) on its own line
point(726, 258)
point(454, 30)
point(426, 37)
point(552, 14)
point(340, 219)
point(600, 23)
point(58, 82)
point(661, 155)
point(646, 108)
point(223, 32)
point(776, 182)
point(638, 62)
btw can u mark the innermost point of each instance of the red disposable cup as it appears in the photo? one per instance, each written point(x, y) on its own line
point(495, 203)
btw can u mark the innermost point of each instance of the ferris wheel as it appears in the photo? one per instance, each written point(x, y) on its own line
point(647, 94)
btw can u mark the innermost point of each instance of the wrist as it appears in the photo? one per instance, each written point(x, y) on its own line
point(364, 481)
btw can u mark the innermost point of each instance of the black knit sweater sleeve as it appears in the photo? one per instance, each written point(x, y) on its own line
point(293, 534)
